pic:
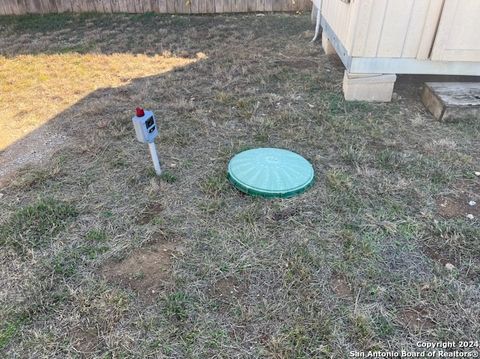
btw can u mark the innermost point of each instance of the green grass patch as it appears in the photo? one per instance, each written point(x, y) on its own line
point(177, 306)
point(168, 177)
point(10, 328)
point(35, 225)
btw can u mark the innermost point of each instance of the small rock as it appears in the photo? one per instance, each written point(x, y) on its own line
point(449, 266)
point(426, 286)
point(472, 203)
point(183, 53)
point(201, 55)
point(477, 173)
point(1, 195)
point(396, 96)
point(470, 216)
point(260, 15)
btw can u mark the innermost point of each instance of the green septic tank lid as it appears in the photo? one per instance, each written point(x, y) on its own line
point(270, 172)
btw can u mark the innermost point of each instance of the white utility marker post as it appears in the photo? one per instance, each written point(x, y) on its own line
point(156, 162)
point(146, 130)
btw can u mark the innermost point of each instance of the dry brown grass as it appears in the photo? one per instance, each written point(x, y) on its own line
point(356, 263)
point(36, 88)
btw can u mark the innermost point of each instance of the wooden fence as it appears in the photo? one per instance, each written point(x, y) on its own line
point(18, 7)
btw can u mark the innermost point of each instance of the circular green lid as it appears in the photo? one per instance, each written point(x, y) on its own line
point(270, 172)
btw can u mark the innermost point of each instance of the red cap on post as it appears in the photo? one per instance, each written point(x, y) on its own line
point(140, 112)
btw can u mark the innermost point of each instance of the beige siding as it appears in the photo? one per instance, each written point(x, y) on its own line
point(338, 15)
point(388, 28)
point(395, 27)
point(458, 35)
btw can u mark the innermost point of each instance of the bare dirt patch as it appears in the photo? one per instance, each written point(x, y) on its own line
point(152, 210)
point(417, 318)
point(146, 271)
point(341, 287)
point(438, 256)
point(460, 204)
point(85, 340)
point(457, 207)
point(229, 289)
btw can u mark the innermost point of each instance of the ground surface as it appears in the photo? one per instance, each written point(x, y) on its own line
point(99, 258)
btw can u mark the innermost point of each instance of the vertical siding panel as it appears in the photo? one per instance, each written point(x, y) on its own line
point(177, 6)
point(123, 5)
point(66, 6)
point(115, 5)
point(242, 6)
point(210, 8)
point(130, 6)
point(99, 7)
point(395, 28)
point(194, 6)
point(354, 9)
point(152, 6)
point(458, 32)
point(219, 6)
point(375, 27)
point(108, 6)
point(415, 28)
point(75, 5)
point(277, 5)
point(143, 6)
point(91, 6)
point(81, 5)
point(36, 7)
point(428, 34)
point(136, 6)
point(360, 32)
point(290, 5)
point(201, 6)
point(170, 6)
point(3, 8)
point(19, 7)
point(44, 6)
point(146, 6)
point(227, 5)
point(10, 8)
point(260, 6)
point(269, 5)
point(302, 5)
point(293, 5)
point(162, 6)
point(155, 6)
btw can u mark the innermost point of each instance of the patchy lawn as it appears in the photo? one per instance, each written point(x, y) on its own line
point(100, 258)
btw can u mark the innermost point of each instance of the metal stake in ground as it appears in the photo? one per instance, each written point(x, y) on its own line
point(146, 129)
